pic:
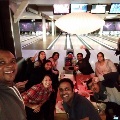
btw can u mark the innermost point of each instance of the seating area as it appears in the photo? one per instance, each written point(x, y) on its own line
point(80, 47)
point(78, 81)
point(21, 74)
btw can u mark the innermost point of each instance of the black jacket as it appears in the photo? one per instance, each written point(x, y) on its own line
point(84, 65)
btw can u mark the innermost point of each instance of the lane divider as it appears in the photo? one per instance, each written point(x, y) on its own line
point(107, 39)
point(30, 43)
point(28, 39)
point(65, 47)
point(53, 42)
point(71, 46)
point(102, 44)
point(84, 43)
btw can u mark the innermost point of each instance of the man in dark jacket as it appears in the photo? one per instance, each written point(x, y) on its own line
point(76, 106)
point(11, 105)
point(83, 63)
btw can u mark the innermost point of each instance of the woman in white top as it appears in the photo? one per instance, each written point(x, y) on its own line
point(103, 66)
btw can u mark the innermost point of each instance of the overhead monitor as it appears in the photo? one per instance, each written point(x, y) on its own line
point(117, 26)
point(109, 26)
point(79, 7)
point(98, 9)
point(38, 26)
point(61, 9)
point(26, 26)
point(115, 8)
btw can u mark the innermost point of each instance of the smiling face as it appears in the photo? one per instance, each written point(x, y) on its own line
point(47, 82)
point(79, 57)
point(56, 56)
point(48, 65)
point(8, 67)
point(94, 87)
point(42, 55)
point(66, 92)
point(100, 57)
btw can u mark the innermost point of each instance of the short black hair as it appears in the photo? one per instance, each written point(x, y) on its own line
point(49, 75)
point(46, 62)
point(88, 82)
point(80, 54)
point(67, 80)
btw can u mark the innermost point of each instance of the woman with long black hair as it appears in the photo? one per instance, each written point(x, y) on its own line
point(41, 59)
point(38, 74)
point(36, 77)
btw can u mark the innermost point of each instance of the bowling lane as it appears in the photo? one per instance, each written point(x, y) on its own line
point(26, 37)
point(37, 43)
point(110, 43)
point(95, 45)
point(59, 46)
point(115, 38)
point(75, 42)
point(60, 43)
point(30, 40)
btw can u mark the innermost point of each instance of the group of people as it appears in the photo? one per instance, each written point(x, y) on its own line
point(37, 70)
point(104, 82)
point(38, 100)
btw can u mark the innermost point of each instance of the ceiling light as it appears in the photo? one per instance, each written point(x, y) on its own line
point(79, 23)
point(24, 16)
point(32, 20)
point(111, 16)
point(51, 17)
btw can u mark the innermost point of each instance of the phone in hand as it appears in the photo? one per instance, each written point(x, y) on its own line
point(71, 68)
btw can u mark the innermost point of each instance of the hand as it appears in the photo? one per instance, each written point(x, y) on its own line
point(76, 68)
point(92, 75)
point(20, 85)
point(82, 47)
point(34, 57)
point(37, 109)
point(55, 72)
point(95, 79)
point(36, 54)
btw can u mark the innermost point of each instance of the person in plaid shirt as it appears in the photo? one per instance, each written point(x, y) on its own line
point(36, 96)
